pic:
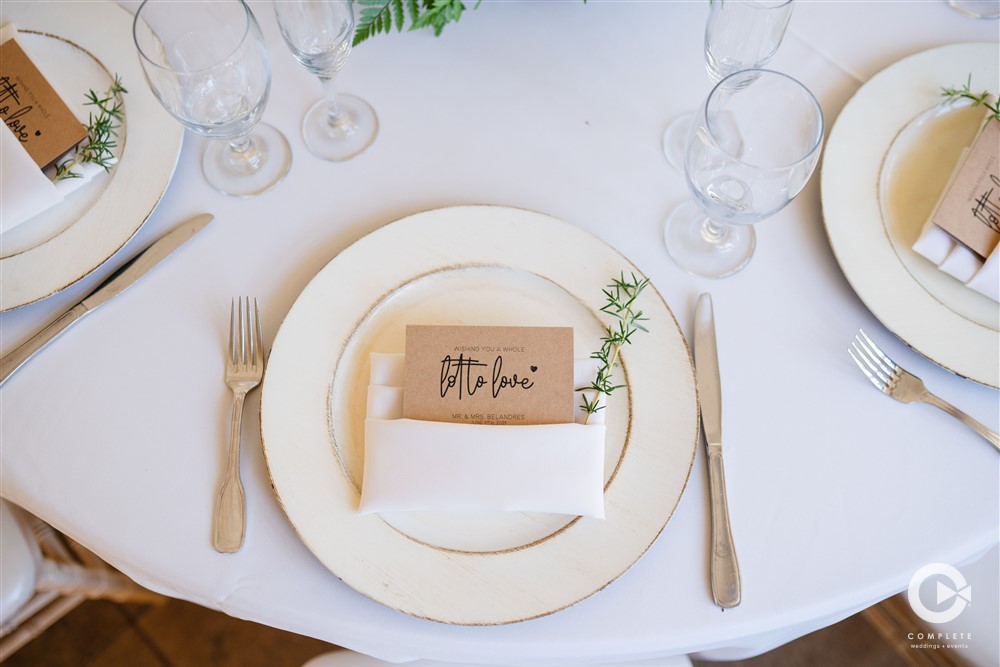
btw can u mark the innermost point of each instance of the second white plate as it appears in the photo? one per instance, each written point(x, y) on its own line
point(947, 323)
point(470, 265)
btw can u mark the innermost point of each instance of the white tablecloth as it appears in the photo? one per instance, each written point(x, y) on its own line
point(838, 494)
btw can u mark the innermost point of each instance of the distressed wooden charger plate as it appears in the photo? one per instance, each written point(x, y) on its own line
point(939, 317)
point(470, 265)
point(81, 46)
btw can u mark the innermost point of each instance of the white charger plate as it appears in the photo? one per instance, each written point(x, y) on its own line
point(470, 265)
point(81, 46)
point(936, 315)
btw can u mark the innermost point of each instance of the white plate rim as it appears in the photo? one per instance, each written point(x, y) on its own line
point(391, 579)
point(149, 154)
point(858, 143)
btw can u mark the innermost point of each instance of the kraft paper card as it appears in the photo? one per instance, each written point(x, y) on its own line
point(32, 109)
point(489, 375)
point(969, 210)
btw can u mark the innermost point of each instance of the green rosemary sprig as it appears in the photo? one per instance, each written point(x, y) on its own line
point(983, 98)
point(621, 296)
point(102, 132)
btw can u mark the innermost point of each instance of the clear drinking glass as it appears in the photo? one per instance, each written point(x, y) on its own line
point(319, 33)
point(208, 65)
point(739, 34)
point(977, 9)
point(751, 149)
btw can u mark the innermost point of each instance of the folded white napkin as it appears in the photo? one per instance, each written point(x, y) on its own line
point(422, 465)
point(958, 261)
point(955, 259)
point(25, 190)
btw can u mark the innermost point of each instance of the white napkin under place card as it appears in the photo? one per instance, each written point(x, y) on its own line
point(958, 261)
point(422, 465)
point(955, 258)
point(24, 190)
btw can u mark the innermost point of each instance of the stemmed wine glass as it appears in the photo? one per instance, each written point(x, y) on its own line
point(977, 9)
point(739, 34)
point(743, 169)
point(208, 65)
point(319, 35)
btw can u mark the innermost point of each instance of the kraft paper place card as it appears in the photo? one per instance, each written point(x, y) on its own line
point(969, 210)
point(489, 374)
point(33, 110)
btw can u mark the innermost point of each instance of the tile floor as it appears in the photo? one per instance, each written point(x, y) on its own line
point(180, 634)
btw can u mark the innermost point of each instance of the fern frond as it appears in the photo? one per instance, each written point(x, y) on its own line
point(375, 15)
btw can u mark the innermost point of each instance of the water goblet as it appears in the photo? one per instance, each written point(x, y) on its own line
point(739, 34)
point(743, 169)
point(977, 9)
point(208, 65)
point(319, 34)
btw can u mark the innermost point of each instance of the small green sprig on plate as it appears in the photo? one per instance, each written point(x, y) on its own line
point(102, 132)
point(965, 92)
point(621, 296)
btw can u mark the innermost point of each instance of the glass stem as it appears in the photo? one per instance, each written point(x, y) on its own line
point(244, 155)
point(335, 114)
point(339, 122)
point(713, 231)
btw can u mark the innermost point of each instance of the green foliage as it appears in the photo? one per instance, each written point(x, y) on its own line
point(620, 298)
point(382, 15)
point(102, 132)
point(982, 98)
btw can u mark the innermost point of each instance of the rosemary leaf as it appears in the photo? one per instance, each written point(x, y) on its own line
point(102, 132)
point(965, 92)
point(620, 296)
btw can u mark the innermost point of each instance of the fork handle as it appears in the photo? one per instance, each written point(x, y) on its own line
point(230, 511)
point(991, 437)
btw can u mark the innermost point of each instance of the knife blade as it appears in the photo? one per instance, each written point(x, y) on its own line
point(725, 569)
point(117, 283)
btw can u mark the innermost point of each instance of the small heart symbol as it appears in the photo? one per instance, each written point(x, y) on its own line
point(534, 368)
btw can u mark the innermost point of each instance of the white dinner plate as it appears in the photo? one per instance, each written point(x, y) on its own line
point(81, 46)
point(470, 265)
point(939, 317)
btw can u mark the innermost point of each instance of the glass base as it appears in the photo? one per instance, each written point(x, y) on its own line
point(977, 9)
point(248, 178)
point(706, 248)
point(675, 138)
point(344, 138)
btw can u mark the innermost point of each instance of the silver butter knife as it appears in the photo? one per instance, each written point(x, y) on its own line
point(119, 281)
point(725, 568)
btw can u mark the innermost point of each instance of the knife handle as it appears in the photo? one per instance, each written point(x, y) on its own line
point(17, 358)
point(725, 568)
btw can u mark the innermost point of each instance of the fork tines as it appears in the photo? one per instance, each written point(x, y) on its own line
point(874, 363)
point(244, 333)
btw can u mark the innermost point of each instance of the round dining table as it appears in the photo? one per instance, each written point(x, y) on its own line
point(116, 432)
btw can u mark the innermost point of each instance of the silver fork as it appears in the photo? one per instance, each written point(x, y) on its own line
point(906, 387)
point(244, 369)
